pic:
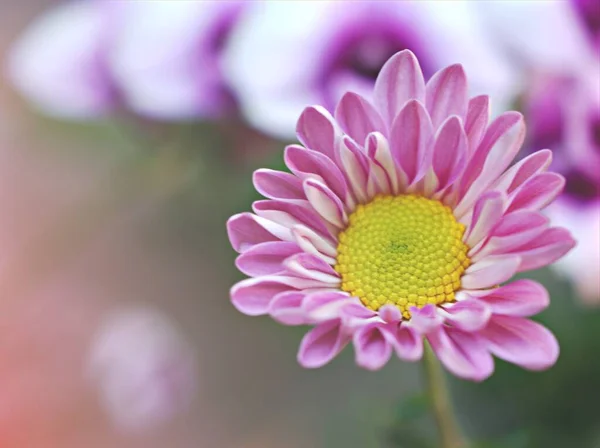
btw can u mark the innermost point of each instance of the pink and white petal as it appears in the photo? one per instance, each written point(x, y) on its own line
point(399, 81)
point(246, 230)
point(463, 354)
point(446, 94)
point(310, 266)
point(266, 258)
point(490, 271)
point(545, 249)
point(523, 170)
point(354, 314)
point(358, 117)
point(326, 203)
point(355, 165)
point(308, 164)
point(390, 313)
point(497, 149)
point(537, 192)
point(384, 167)
point(291, 213)
point(513, 230)
point(313, 243)
point(253, 296)
point(449, 152)
point(317, 130)
point(286, 308)
point(408, 344)
point(487, 212)
point(425, 320)
point(322, 344)
point(478, 115)
point(411, 139)
point(521, 341)
point(277, 184)
point(519, 298)
point(323, 306)
point(372, 346)
point(467, 314)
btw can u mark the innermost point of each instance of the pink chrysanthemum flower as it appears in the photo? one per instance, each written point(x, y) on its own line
point(399, 223)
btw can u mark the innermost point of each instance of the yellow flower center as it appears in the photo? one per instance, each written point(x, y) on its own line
point(402, 250)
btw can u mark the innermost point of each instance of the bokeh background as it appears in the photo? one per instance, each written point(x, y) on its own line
point(128, 135)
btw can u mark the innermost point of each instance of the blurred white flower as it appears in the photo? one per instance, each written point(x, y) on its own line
point(59, 62)
point(84, 59)
point(144, 370)
point(284, 56)
point(539, 35)
point(167, 56)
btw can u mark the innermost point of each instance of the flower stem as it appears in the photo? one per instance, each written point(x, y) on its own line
point(449, 433)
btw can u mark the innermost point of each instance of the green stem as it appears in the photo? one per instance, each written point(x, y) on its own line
point(449, 433)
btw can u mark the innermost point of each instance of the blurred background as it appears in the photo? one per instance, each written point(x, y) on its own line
point(128, 134)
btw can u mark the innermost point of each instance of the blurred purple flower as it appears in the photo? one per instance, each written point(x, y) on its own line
point(564, 113)
point(167, 57)
point(143, 368)
point(286, 55)
point(560, 70)
point(59, 63)
point(589, 14)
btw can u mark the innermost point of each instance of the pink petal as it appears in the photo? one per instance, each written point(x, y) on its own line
point(322, 344)
point(372, 346)
point(463, 354)
point(521, 341)
point(291, 213)
point(478, 114)
point(409, 344)
point(253, 296)
point(519, 298)
point(399, 80)
point(490, 271)
point(523, 170)
point(356, 168)
point(390, 313)
point(486, 214)
point(277, 184)
point(545, 249)
point(467, 314)
point(316, 130)
point(446, 94)
point(286, 308)
point(246, 230)
point(383, 167)
point(266, 258)
point(426, 319)
point(513, 230)
point(313, 267)
point(497, 149)
point(449, 152)
point(307, 164)
point(518, 222)
point(354, 314)
point(358, 117)
point(313, 243)
point(326, 203)
point(411, 141)
point(323, 306)
point(537, 192)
